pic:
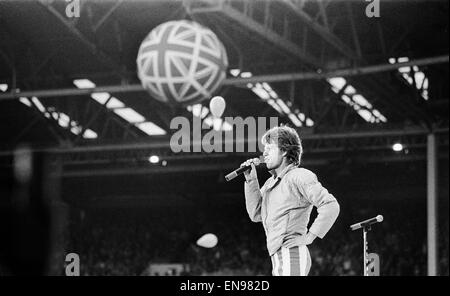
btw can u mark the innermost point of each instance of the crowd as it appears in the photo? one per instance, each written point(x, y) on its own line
point(125, 241)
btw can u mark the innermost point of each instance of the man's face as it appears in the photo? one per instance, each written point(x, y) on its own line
point(273, 156)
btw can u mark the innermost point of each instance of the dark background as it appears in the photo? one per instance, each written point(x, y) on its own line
point(102, 199)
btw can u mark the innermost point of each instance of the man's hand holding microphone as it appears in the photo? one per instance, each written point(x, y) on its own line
point(248, 168)
point(250, 174)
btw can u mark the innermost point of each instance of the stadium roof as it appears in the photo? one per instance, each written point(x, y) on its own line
point(347, 82)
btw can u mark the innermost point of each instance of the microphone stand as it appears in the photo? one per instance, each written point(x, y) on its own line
point(365, 229)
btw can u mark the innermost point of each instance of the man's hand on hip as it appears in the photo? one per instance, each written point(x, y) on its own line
point(306, 239)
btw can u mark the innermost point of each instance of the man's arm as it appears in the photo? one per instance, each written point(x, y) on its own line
point(253, 199)
point(252, 192)
point(327, 206)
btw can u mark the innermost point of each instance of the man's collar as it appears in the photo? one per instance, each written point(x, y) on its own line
point(283, 172)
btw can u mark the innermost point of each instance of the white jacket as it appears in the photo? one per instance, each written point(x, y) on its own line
point(284, 205)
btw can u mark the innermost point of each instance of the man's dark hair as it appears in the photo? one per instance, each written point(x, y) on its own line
point(287, 140)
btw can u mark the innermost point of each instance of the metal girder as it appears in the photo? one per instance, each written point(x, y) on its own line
point(7, 57)
point(53, 126)
point(325, 33)
point(322, 149)
point(72, 91)
point(322, 30)
point(106, 60)
point(10, 56)
point(404, 107)
point(117, 68)
point(163, 143)
point(412, 110)
point(354, 31)
point(262, 29)
point(26, 129)
point(61, 135)
point(149, 170)
point(224, 36)
point(367, 147)
point(381, 38)
point(13, 94)
point(42, 62)
point(93, 118)
point(106, 15)
point(11, 66)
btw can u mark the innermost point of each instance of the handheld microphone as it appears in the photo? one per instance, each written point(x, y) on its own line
point(241, 170)
point(370, 221)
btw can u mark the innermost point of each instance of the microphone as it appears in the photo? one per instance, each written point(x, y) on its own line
point(370, 221)
point(241, 170)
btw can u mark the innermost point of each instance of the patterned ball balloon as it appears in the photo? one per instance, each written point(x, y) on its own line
point(181, 63)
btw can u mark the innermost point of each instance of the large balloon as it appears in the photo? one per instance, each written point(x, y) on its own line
point(181, 62)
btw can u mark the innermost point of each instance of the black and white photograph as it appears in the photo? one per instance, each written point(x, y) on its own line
point(224, 143)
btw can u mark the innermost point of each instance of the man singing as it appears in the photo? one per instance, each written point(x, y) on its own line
point(285, 202)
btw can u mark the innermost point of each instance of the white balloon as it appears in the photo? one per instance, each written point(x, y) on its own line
point(208, 240)
point(217, 106)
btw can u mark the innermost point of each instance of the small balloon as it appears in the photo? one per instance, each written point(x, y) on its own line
point(217, 124)
point(208, 240)
point(217, 106)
